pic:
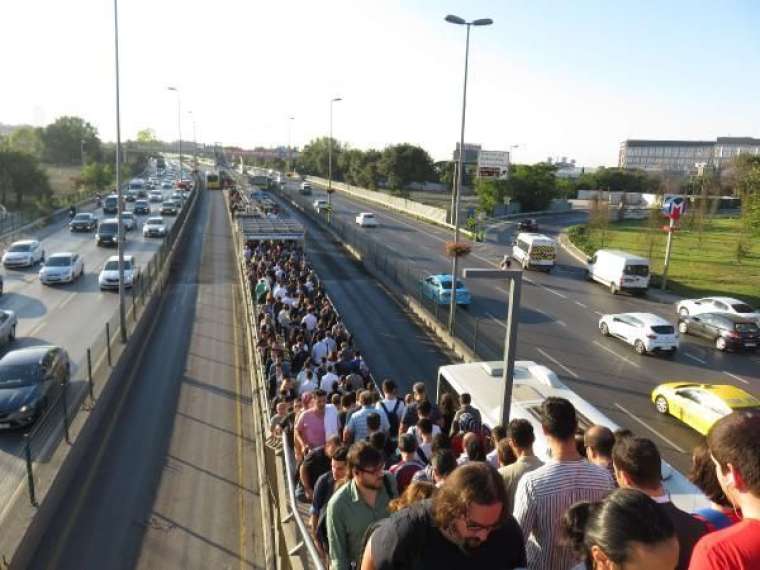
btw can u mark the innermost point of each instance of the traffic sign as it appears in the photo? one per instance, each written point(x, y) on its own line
point(674, 207)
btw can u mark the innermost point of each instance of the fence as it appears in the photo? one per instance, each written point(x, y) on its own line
point(89, 375)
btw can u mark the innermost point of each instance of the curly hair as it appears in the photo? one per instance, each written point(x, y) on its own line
point(416, 491)
point(474, 482)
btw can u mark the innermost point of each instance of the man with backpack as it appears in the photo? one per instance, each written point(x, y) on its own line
point(392, 407)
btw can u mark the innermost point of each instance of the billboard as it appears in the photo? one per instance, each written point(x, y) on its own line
point(493, 163)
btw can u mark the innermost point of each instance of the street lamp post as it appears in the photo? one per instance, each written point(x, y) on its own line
point(195, 144)
point(510, 340)
point(290, 152)
point(329, 161)
point(460, 163)
point(119, 203)
point(179, 127)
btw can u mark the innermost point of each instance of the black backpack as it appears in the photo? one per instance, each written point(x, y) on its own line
point(393, 420)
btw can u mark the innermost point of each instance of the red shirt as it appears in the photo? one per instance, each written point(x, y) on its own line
point(734, 548)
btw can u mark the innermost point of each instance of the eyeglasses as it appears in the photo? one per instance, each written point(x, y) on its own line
point(375, 471)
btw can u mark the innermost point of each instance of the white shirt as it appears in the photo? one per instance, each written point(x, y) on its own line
point(493, 458)
point(279, 291)
point(332, 346)
point(301, 377)
point(418, 434)
point(305, 387)
point(390, 404)
point(328, 379)
point(331, 421)
point(319, 351)
point(311, 321)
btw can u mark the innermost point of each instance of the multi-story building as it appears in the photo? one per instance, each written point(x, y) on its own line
point(684, 157)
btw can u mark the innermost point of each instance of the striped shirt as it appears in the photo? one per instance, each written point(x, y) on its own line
point(543, 496)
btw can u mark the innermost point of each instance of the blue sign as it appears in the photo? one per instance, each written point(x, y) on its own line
point(674, 207)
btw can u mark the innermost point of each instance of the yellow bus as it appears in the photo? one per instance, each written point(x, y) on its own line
point(213, 181)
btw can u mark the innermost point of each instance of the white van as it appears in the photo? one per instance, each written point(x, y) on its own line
point(535, 250)
point(533, 383)
point(619, 270)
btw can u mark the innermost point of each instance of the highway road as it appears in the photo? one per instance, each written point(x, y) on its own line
point(558, 326)
point(172, 484)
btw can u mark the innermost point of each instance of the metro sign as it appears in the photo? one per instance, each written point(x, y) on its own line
point(674, 207)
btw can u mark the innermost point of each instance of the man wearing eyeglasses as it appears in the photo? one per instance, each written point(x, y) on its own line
point(360, 502)
point(465, 525)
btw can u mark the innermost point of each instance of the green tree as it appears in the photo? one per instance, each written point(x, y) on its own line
point(404, 163)
point(314, 158)
point(491, 193)
point(618, 180)
point(533, 185)
point(21, 174)
point(65, 138)
point(28, 140)
point(146, 136)
point(444, 170)
point(97, 175)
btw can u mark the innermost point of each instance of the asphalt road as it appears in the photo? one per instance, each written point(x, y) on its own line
point(558, 326)
point(172, 482)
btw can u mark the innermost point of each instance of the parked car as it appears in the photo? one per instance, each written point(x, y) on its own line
point(730, 305)
point(154, 227)
point(169, 208)
point(725, 330)
point(29, 379)
point(646, 332)
point(109, 275)
point(438, 289)
point(142, 208)
point(701, 405)
point(366, 220)
point(24, 253)
point(528, 225)
point(63, 267)
point(619, 270)
point(8, 322)
point(83, 222)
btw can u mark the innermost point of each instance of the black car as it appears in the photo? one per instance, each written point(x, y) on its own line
point(30, 378)
point(108, 233)
point(110, 205)
point(142, 208)
point(727, 331)
point(84, 222)
point(528, 225)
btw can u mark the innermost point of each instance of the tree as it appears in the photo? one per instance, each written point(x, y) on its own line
point(533, 185)
point(28, 140)
point(146, 136)
point(491, 193)
point(97, 175)
point(314, 158)
point(444, 170)
point(67, 137)
point(360, 168)
point(618, 180)
point(404, 163)
point(21, 174)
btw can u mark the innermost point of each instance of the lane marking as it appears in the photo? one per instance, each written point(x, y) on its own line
point(654, 431)
point(66, 301)
point(558, 363)
point(498, 321)
point(580, 304)
point(696, 358)
point(239, 426)
point(35, 329)
point(562, 323)
point(735, 377)
point(598, 313)
point(553, 292)
point(612, 352)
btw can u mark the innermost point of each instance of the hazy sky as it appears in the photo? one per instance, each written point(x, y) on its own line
point(556, 78)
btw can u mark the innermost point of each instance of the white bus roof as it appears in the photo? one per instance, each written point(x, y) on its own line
point(533, 383)
point(624, 254)
point(534, 238)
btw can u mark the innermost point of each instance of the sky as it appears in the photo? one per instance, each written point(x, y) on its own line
point(557, 79)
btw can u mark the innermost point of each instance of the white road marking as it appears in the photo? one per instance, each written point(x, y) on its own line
point(562, 323)
point(696, 358)
point(557, 362)
point(553, 292)
point(598, 313)
point(67, 300)
point(580, 304)
point(37, 328)
point(498, 321)
point(654, 431)
point(735, 377)
point(612, 352)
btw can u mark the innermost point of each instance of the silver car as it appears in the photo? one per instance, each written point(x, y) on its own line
point(24, 253)
point(8, 323)
point(63, 267)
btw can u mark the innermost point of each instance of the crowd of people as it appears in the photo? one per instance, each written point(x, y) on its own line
point(403, 481)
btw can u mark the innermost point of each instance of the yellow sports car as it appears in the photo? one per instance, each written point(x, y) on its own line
point(701, 405)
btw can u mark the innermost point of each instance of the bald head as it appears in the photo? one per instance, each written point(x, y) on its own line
point(599, 441)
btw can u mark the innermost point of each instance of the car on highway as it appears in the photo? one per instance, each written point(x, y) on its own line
point(8, 322)
point(169, 208)
point(30, 378)
point(24, 253)
point(142, 208)
point(111, 204)
point(701, 405)
point(130, 195)
point(619, 270)
point(109, 275)
point(65, 267)
point(83, 222)
point(108, 232)
point(438, 289)
point(166, 185)
point(366, 220)
point(687, 307)
point(305, 188)
point(646, 332)
point(321, 206)
point(156, 196)
point(178, 197)
point(725, 330)
point(534, 251)
point(154, 227)
point(528, 225)
point(129, 220)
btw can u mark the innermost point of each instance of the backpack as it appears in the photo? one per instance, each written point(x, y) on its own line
point(713, 517)
point(393, 420)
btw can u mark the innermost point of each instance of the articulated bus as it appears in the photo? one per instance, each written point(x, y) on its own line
point(212, 181)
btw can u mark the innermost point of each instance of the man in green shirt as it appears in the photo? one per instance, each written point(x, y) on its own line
point(361, 501)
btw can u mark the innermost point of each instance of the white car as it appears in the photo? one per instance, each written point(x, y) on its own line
point(8, 323)
point(156, 196)
point(109, 276)
point(644, 331)
point(729, 305)
point(63, 267)
point(366, 220)
point(154, 227)
point(320, 205)
point(24, 253)
point(129, 221)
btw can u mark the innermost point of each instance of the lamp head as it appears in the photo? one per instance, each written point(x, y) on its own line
point(455, 20)
point(483, 22)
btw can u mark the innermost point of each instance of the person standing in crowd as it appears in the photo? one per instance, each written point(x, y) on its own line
point(448, 407)
point(308, 384)
point(411, 416)
point(598, 441)
point(638, 466)
point(520, 438)
point(279, 418)
point(498, 433)
point(720, 514)
point(410, 462)
point(316, 463)
point(624, 531)
point(465, 407)
point(362, 501)
point(310, 427)
point(423, 432)
point(393, 408)
point(734, 444)
point(417, 491)
point(323, 490)
point(473, 450)
point(544, 494)
point(356, 428)
point(465, 525)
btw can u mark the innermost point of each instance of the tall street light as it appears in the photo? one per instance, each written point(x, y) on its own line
point(329, 161)
point(119, 202)
point(460, 168)
point(179, 127)
point(290, 152)
point(195, 144)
